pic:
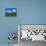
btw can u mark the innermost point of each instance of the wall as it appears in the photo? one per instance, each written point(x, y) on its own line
point(28, 12)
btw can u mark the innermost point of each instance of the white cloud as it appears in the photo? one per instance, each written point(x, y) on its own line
point(9, 11)
point(14, 10)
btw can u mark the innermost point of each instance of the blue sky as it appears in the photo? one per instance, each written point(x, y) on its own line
point(10, 9)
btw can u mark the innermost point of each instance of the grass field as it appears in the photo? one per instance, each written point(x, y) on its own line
point(10, 14)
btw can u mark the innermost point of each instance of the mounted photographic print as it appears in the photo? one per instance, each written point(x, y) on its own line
point(10, 12)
